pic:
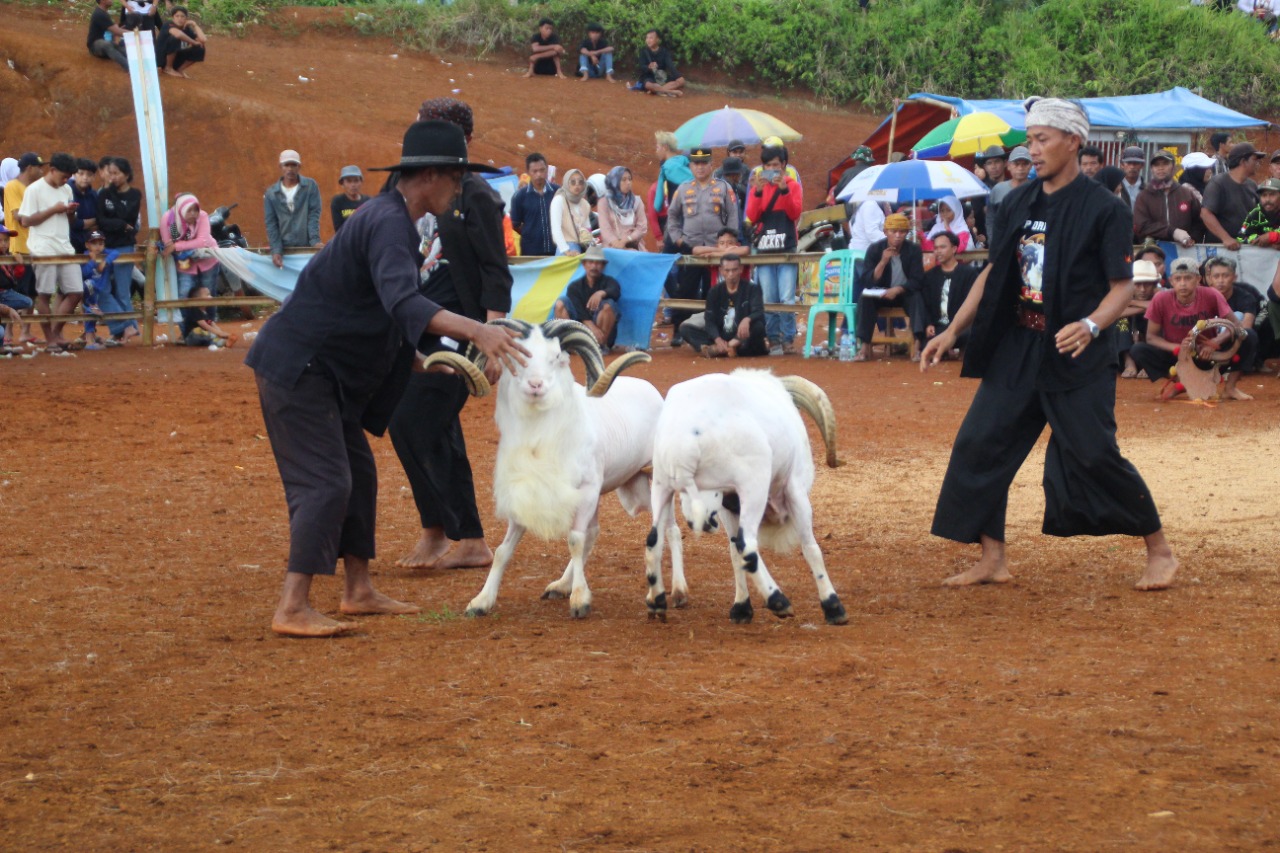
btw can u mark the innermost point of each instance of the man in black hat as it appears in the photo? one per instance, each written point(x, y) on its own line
point(699, 210)
point(324, 376)
point(732, 171)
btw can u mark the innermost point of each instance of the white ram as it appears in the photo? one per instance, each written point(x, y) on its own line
point(561, 447)
point(736, 450)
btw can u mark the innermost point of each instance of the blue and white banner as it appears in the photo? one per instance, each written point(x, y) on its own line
point(148, 109)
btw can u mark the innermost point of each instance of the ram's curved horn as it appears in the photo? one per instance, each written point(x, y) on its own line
point(619, 364)
point(577, 339)
point(811, 399)
point(480, 359)
point(471, 373)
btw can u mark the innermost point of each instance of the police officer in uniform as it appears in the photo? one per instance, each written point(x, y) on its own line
point(699, 210)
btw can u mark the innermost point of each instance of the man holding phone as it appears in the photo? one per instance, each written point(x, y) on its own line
point(46, 211)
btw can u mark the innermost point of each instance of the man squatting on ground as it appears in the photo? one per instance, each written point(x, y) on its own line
point(324, 376)
point(1065, 252)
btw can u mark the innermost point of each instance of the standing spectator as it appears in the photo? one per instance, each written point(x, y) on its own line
point(863, 158)
point(895, 267)
point(46, 211)
point(30, 170)
point(1019, 169)
point(1132, 162)
point(592, 300)
point(1262, 226)
point(945, 287)
point(12, 300)
point(345, 203)
point(186, 236)
point(734, 322)
point(673, 172)
point(1091, 161)
point(699, 210)
point(84, 195)
point(1167, 210)
point(621, 214)
point(733, 172)
point(595, 55)
point(658, 74)
point(570, 215)
point(531, 209)
point(181, 44)
point(291, 208)
point(105, 34)
point(1220, 145)
point(736, 150)
point(545, 51)
point(993, 162)
point(96, 273)
point(1196, 168)
point(1273, 167)
point(119, 213)
point(1231, 196)
point(774, 208)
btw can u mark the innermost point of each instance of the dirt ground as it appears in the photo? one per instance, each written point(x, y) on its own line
point(147, 705)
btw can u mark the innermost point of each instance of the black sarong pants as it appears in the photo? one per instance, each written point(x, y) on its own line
point(427, 435)
point(1090, 489)
point(329, 475)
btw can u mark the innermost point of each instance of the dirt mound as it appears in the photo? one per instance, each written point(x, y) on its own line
point(248, 101)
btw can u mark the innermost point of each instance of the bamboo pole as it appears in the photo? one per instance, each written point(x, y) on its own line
point(893, 129)
point(149, 291)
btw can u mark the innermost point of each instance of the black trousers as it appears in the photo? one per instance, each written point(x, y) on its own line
point(911, 301)
point(1156, 362)
point(329, 475)
point(691, 283)
point(1089, 488)
point(697, 335)
point(427, 435)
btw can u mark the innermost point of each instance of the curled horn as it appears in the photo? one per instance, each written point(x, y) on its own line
point(479, 358)
point(812, 400)
point(619, 364)
point(577, 339)
point(471, 373)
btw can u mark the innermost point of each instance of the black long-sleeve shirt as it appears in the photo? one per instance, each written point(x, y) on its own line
point(747, 301)
point(118, 216)
point(912, 266)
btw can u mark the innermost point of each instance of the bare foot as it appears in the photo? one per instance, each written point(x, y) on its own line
point(370, 602)
point(528, 73)
point(170, 72)
point(307, 623)
point(428, 549)
point(467, 554)
point(988, 569)
point(1234, 393)
point(1159, 572)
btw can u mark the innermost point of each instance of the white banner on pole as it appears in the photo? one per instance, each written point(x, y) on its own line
point(148, 109)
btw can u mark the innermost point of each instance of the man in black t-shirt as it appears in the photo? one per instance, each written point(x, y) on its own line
point(734, 324)
point(105, 35)
point(1231, 196)
point(1246, 303)
point(595, 55)
point(658, 74)
point(1064, 253)
point(545, 51)
point(946, 285)
point(342, 205)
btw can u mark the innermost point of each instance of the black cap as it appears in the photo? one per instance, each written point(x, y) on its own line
point(1162, 154)
point(731, 166)
point(700, 154)
point(26, 161)
point(735, 144)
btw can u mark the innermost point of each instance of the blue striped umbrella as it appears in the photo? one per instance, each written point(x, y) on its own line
point(913, 180)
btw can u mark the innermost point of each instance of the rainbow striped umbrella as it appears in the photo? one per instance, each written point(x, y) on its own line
point(718, 128)
point(969, 134)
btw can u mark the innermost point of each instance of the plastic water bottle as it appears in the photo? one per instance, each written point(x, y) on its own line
point(846, 347)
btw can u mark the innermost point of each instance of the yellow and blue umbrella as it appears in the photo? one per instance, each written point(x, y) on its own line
point(718, 128)
point(969, 134)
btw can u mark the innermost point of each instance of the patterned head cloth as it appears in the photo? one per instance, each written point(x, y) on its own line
point(448, 109)
point(897, 222)
point(1059, 113)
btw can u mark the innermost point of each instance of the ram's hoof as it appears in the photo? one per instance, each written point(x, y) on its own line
point(742, 613)
point(834, 611)
point(473, 612)
point(552, 595)
point(580, 612)
point(679, 600)
point(780, 605)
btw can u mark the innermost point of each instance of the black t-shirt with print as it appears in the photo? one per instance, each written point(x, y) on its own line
point(99, 22)
point(1031, 254)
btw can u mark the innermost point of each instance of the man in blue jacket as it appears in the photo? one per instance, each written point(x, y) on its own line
point(291, 208)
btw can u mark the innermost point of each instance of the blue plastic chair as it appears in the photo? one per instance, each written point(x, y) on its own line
point(841, 303)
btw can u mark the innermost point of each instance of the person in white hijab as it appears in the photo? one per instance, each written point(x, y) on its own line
point(950, 218)
point(571, 215)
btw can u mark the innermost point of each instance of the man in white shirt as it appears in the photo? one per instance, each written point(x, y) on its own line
point(46, 211)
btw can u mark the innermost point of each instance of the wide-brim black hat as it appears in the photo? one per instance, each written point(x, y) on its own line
point(435, 143)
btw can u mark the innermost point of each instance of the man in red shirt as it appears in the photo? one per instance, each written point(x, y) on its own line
point(1170, 318)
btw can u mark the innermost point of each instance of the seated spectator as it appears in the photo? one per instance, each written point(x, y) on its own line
point(84, 195)
point(1170, 319)
point(570, 215)
point(945, 287)
point(1244, 299)
point(727, 243)
point(1151, 251)
point(181, 44)
point(620, 213)
point(1165, 209)
point(595, 55)
point(345, 203)
point(12, 300)
point(950, 221)
point(593, 299)
point(105, 35)
point(734, 323)
point(658, 74)
point(894, 272)
point(1091, 160)
point(185, 233)
point(1261, 227)
point(1269, 329)
point(1131, 327)
point(545, 51)
point(139, 15)
point(1230, 196)
point(774, 206)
